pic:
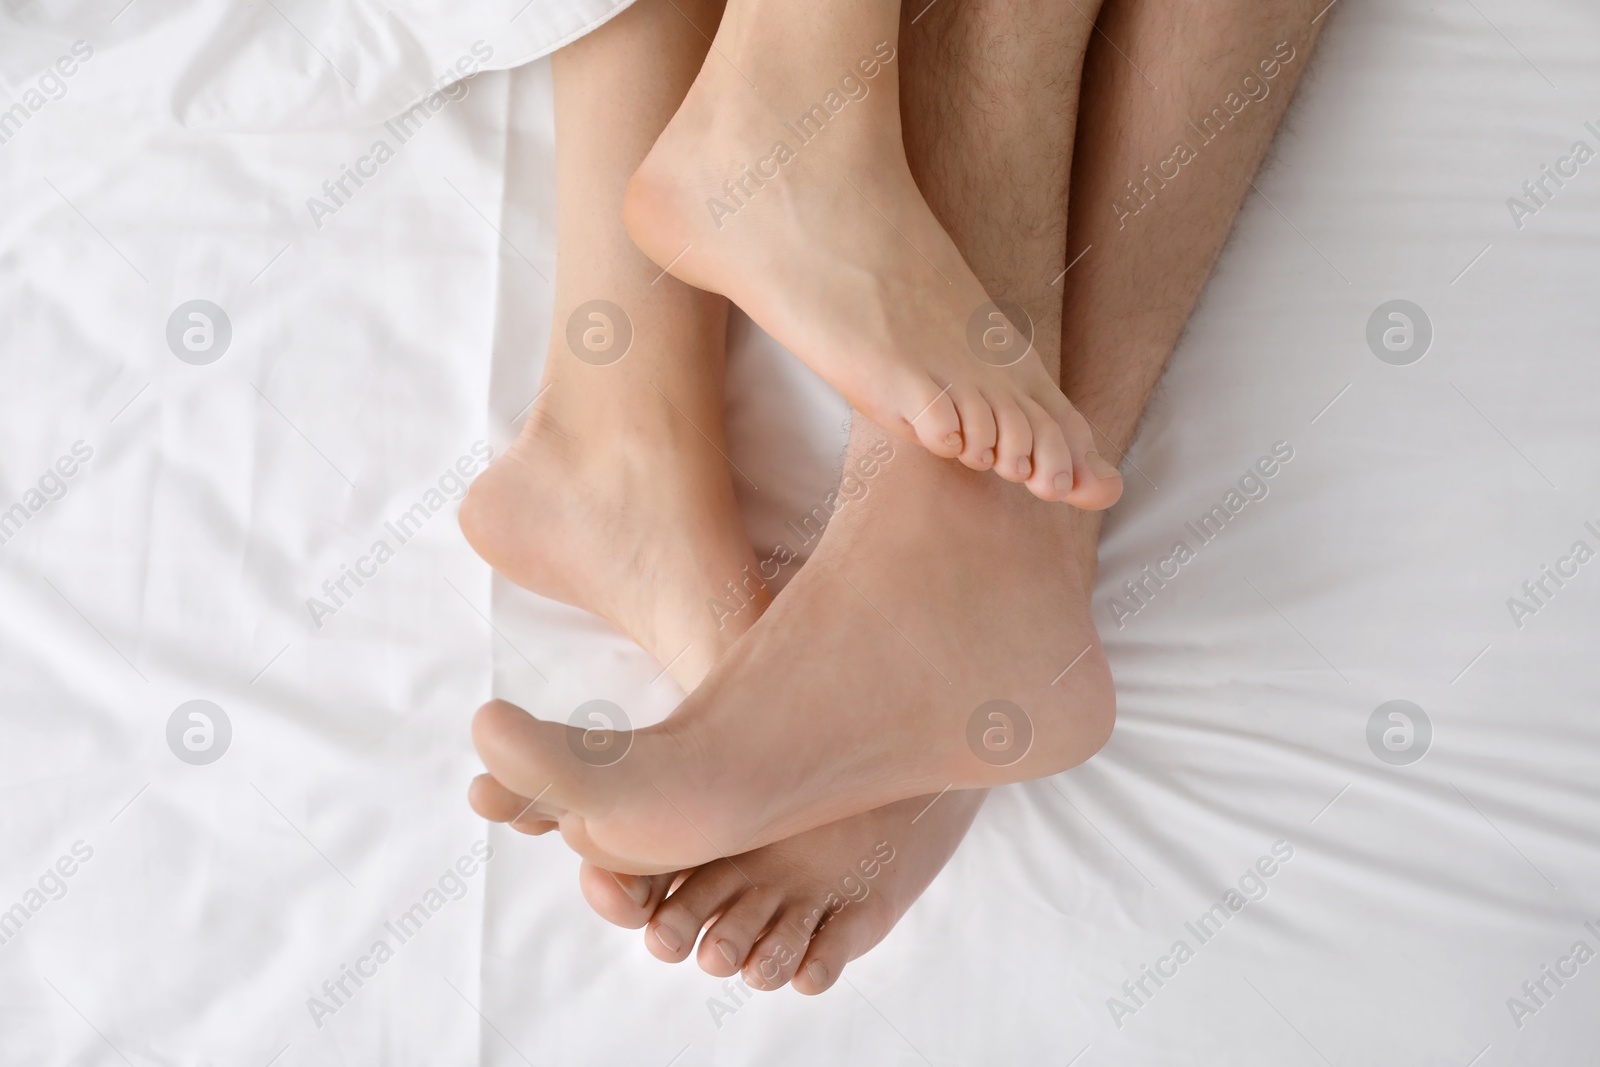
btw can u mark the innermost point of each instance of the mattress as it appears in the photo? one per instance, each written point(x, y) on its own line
point(1349, 814)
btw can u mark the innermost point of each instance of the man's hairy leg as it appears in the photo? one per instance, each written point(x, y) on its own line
point(1154, 68)
point(1122, 376)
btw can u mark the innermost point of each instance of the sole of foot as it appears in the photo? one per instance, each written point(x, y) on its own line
point(939, 638)
point(829, 246)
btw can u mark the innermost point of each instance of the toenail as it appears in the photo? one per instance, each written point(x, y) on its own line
point(638, 889)
point(953, 440)
point(1101, 466)
point(1063, 483)
point(817, 972)
point(668, 937)
point(1025, 466)
point(727, 952)
point(988, 457)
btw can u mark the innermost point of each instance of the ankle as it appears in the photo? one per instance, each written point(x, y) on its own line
point(795, 66)
point(596, 428)
point(805, 32)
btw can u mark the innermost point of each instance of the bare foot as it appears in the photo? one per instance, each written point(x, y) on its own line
point(798, 909)
point(938, 638)
point(628, 513)
point(827, 244)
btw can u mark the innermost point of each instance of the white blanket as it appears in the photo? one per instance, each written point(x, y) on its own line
point(158, 909)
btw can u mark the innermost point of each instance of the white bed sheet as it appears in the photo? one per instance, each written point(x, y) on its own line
point(285, 64)
point(370, 354)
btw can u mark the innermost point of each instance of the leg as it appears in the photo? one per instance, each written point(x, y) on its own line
point(970, 118)
point(808, 864)
point(923, 621)
point(1127, 302)
point(1111, 369)
point(614, 453)
point(783, 183)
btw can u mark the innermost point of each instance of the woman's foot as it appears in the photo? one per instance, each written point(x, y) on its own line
point(626, 511)
point(817, 230)
point(798, 909)
point(939, 638)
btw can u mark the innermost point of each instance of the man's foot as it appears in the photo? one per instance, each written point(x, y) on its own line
point(630, 518)
point(938, 638)
point(798, 909)
point(802, 908)
point(827, 244)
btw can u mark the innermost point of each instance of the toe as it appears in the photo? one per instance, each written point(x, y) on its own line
point(680, 918)
point(495, 802)
point(823, 965)
point(977, 428)
point(1052, 477)
point(519, 751)
point(612, 796)
point(934, 419)
point(552, 763)
point(846, 936)
point(727, 944)
point(1014, 450)
point(1096, 483)
point(775, 958)
point(624, 900)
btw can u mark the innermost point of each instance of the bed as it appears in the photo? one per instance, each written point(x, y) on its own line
point(1354, 771)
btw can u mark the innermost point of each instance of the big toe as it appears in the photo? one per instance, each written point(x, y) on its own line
point(526, 755)
point(1096, 483)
